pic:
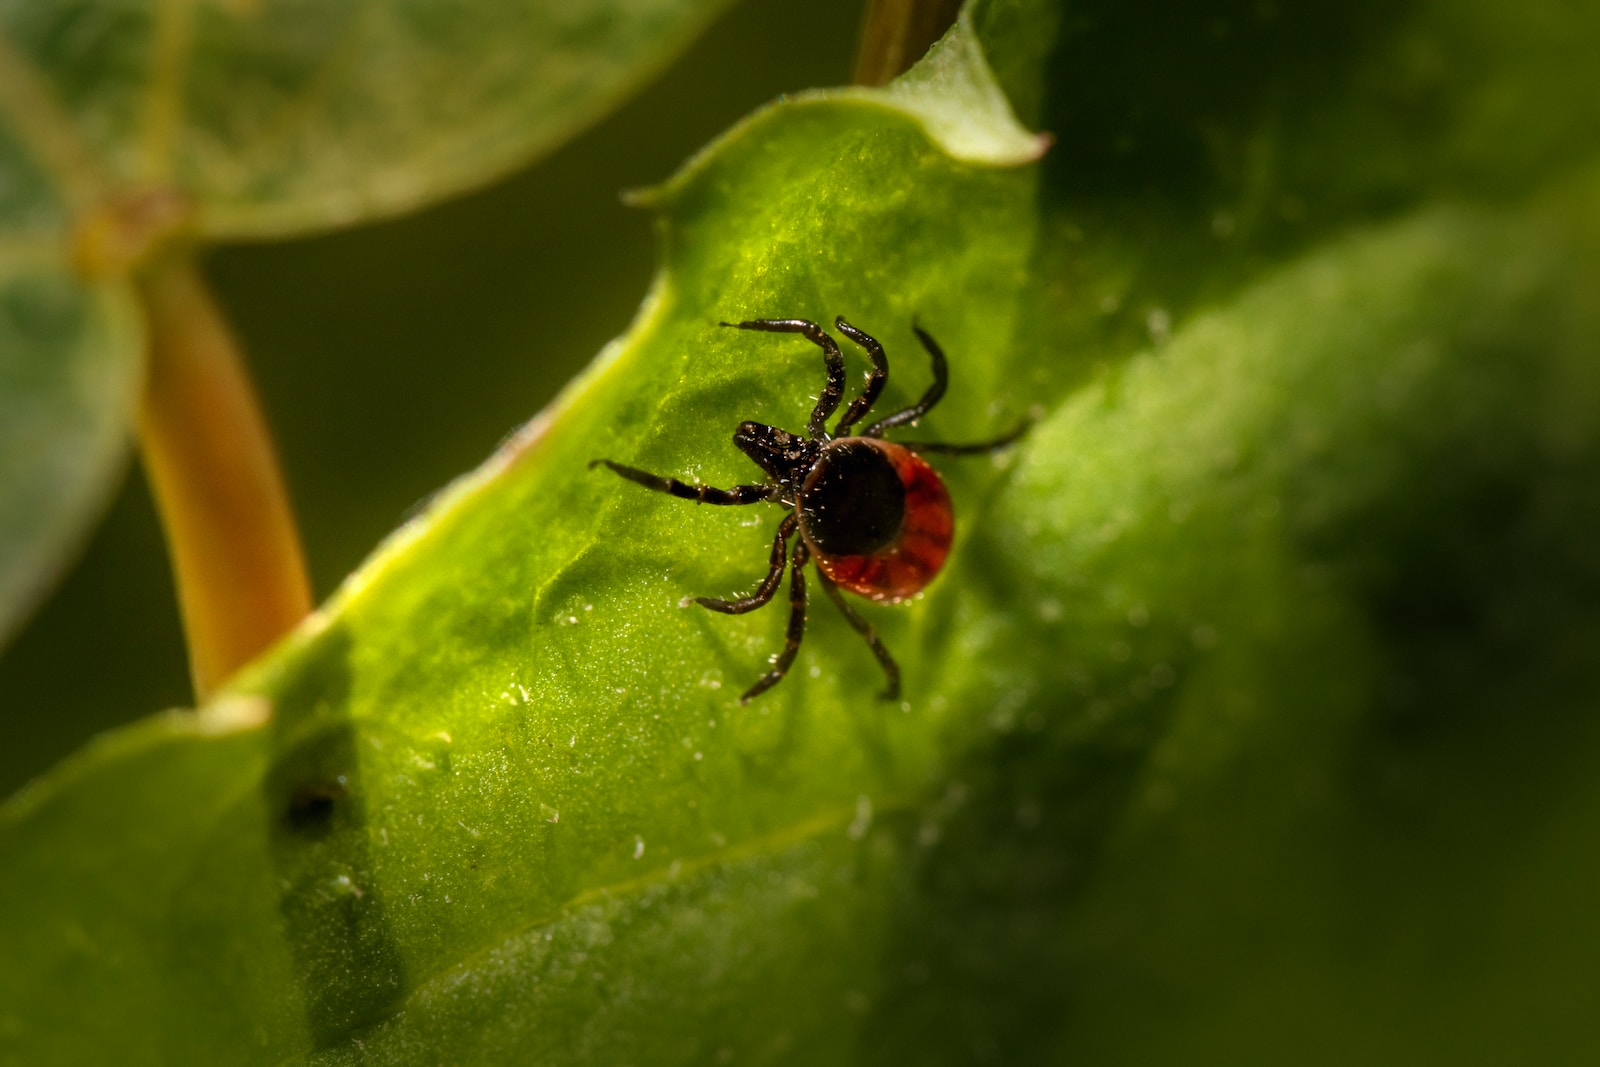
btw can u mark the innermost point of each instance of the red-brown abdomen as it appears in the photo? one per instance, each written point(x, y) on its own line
point(908, 561)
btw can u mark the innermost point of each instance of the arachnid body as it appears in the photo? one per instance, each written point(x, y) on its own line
point(872, 514)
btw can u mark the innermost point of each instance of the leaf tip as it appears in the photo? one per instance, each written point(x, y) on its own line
point(648, 197)
point(232, 715)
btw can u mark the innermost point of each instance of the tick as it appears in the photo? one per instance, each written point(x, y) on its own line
point(872, 515)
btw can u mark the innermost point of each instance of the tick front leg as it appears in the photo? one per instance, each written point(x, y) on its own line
point(864, 628)
point(875, 381)
point(769, 584)
point(832, 358)
point(700, 494)
point(797, 627)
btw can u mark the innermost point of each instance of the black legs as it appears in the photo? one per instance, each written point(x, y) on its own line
point(864, 628)
point(834, 389)
point(769, 584)
point(976, 448)
point(935, 393)
point(702, 494)
point(797, 627)
point(875, 380)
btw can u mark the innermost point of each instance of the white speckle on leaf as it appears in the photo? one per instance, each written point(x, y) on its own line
point(1159, 322)
point(863, 821)
point(638, 847)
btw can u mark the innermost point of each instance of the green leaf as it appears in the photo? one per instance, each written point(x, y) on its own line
point(266, 119)
point(1273, 635)
point(1325, 554)
point(69, 381)
point(70, 357)
point(279, 118)
point(624, 772)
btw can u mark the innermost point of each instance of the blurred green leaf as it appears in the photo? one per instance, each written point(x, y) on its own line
point(69, 380)
point(1252, 718)
point(1319, 576)
point(267, 119)
point(278, 118)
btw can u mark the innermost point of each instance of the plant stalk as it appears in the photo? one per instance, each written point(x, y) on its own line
point(897, 33)
point(236, 553)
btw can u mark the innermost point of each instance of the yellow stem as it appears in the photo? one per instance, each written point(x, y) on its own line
point(897, 33)
point(240, 572)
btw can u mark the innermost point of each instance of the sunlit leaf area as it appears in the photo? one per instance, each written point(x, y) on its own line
point(1254, 716)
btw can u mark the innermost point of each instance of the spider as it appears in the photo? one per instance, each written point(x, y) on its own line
point(872, 514)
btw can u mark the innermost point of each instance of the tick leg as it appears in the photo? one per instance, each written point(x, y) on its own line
point(935, 393)
point(797, 626)
point(702, 494)
point(864, 628)
point(875, 380)
point(976, 448)
point(834, 389)
point(769, 584)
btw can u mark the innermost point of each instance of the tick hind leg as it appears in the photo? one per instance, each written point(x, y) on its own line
point(797, 627)
point(975, 448)
point(864, 628)
point(769, 584)
point(700, 494)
